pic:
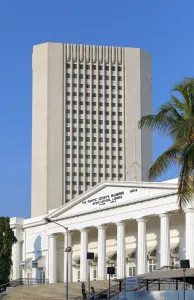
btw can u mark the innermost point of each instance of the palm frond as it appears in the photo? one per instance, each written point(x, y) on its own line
point(177, 103)
point(170, 157)
point(186, 177)
point(164, 121)
point(184, 128)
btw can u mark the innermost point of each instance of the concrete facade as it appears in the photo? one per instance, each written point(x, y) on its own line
point(87, 101)
point(136, 227)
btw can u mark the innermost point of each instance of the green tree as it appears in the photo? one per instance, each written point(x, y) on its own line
point(175, 119)
point(7, 239)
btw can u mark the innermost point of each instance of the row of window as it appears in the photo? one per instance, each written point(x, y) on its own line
point(88, 156)
point(87, 130)
point(132, 268)
point(74, 85)
point(88, 183)
point(88, 76)
point(93, 139)
point(88, 174)
point(94, 112)
point(88, 67)
point(87, 147)
point(93, 103)
point(75, 192)
point(93, 95)
point(88, 121)
point(89, 165)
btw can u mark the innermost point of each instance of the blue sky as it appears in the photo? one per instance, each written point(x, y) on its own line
point(162, 27)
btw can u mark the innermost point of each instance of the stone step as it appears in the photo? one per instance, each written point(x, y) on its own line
point(55, 291)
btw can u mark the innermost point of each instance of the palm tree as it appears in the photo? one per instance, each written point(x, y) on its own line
point(175, 118)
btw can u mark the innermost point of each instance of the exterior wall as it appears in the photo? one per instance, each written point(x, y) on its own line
point(87, 100)
point(138, 201)
point(37, 242)
point(47, 128)
point(138, 102)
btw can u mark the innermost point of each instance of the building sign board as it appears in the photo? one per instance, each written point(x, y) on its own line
point(107, 199)
point(131, 284)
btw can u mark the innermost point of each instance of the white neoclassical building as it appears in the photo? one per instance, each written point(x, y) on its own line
point(136, 227)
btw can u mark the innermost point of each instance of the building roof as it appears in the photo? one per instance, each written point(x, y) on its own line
point(164, 274)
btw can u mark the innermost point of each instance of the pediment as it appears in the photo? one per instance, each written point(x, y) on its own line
point(109, 194)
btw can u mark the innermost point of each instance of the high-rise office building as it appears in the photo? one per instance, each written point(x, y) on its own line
point(87, 101)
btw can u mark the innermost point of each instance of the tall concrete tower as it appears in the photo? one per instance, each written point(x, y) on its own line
point(87, 101)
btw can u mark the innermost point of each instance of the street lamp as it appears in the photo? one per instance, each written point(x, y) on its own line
point(110, 271)
point(184, 264)
point(68, 249)
point(90, 257)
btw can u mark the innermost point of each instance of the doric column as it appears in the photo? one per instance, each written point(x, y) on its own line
point(189, 235)
point(102, 274)
point(164, 240)
point(121, 251)
point(141, 247)
point(67, 244)
point(52, 253)
point(83, 255)
point(16, 260)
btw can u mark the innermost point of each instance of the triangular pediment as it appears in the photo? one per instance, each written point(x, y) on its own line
point(108, 194)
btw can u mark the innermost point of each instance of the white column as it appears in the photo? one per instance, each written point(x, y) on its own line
point(16, 260)
point(102, 274)
point(69, 244)
point(189, 235)
point(121, 251)
point(83, 255)
point(141, 247)
point(52, 253)
point(164, 240)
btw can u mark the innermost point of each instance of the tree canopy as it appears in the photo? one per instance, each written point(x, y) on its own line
point(175, 118)
point(7, 239)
